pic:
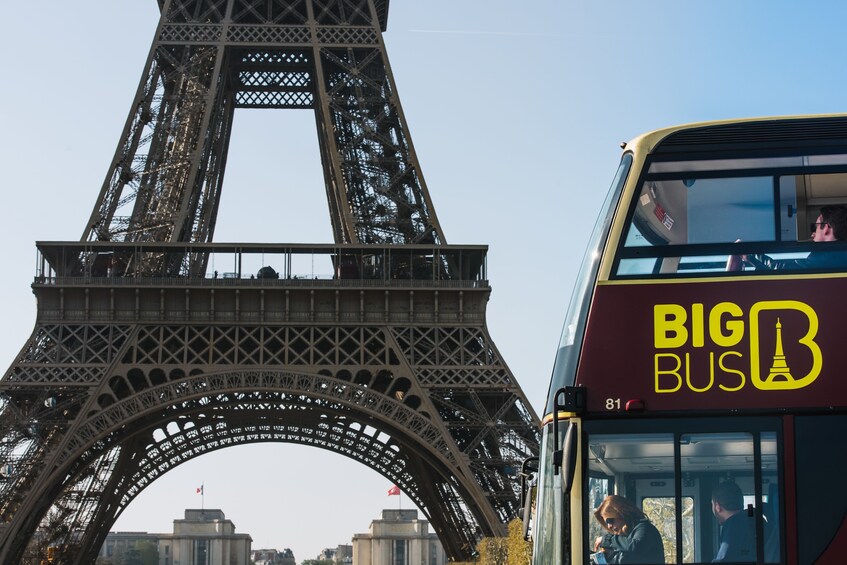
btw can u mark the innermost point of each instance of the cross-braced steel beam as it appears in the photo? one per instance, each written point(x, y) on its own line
point(126, 377)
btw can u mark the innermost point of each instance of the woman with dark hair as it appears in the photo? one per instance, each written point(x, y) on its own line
point(631, 538)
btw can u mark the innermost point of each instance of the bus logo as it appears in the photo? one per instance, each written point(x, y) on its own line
point(779, 375)
point(701, 351)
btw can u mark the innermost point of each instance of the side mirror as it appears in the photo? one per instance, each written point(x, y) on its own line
point(528, 470)
point(567, 399)
point(568, 457)
point(572, 400)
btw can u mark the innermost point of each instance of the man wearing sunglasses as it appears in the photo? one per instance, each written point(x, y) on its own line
point(830, 225)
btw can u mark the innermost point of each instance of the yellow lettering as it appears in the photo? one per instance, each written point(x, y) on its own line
point(734, 326)
point(697, 329)
point(672, 372)
point(727, 325)
point(669, 326)
point(730, 370)
point(711, 374)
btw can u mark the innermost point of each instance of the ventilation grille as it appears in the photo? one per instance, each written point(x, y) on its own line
point(784, 134)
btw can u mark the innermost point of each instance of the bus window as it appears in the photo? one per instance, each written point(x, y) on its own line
point(771, 500)
point(699, 211)
point(639, 468)
point(708, 460)
point(788, 210)
point(551, 519)
point(707, 210)
point(693, 222)
point(637, 266)
point(661, 510)
point(713, 500)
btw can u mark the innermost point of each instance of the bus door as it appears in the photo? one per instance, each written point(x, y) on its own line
point(673, 471)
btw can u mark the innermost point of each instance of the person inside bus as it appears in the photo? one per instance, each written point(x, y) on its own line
point(738, 530)
point(830, 225)
point(631, 537)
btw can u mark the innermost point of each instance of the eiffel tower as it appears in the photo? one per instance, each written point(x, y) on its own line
point(375, 347)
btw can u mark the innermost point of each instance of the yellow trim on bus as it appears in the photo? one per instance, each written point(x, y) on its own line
point(724, 279)
point(562, 416)
point(577, 505)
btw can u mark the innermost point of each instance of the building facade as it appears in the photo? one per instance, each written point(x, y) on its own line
point(203, 537)
point(398, 538)
point(121, 544)
point(273, 557)
point(340, 555)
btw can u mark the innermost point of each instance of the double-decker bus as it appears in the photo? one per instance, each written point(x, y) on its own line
point(706, 344)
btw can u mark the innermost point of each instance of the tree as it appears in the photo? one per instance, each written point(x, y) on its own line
point(510, 550)
point(520, 550)
point(148, 551)
point(493, 551)
point(131, 557)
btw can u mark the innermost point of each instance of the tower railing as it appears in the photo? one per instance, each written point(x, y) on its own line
point(257, 264)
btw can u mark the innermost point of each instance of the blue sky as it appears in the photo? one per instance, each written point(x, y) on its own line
point(516, 111)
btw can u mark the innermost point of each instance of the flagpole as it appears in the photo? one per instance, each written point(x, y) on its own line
point(395, 491)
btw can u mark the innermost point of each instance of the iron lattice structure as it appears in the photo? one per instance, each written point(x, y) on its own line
point(139, 361)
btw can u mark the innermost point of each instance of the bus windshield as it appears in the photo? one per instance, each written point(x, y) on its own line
point(568, 354)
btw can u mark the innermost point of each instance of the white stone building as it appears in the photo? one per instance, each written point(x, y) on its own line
point(204, 537)
point(399, 538)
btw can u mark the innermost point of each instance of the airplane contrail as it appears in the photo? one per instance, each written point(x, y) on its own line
point(472, 32)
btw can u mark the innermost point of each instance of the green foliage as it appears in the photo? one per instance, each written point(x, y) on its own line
point(317, 562)
point(148, 552)
point(131, 557)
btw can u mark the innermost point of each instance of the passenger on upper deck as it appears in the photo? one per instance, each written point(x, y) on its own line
point(830, 225)
point(631, 538)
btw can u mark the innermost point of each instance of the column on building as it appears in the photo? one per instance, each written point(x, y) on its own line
point(206, 537)
point(399, 538)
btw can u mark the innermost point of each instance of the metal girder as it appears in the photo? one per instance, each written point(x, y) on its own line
point(113, 405)
point(212, 56)
point(267, 406)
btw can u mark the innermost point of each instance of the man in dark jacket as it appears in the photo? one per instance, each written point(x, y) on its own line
point(830, 225)
point(738, 531)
